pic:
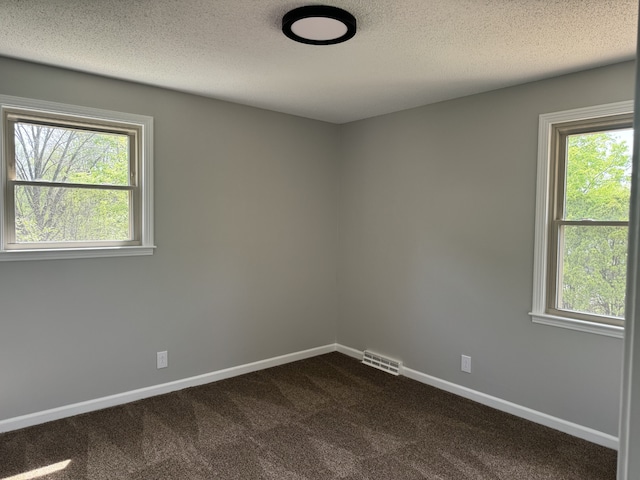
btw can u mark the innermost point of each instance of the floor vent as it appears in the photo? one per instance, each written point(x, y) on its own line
point(381, 363)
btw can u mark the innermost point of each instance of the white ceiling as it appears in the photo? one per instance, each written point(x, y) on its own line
point(406, 53)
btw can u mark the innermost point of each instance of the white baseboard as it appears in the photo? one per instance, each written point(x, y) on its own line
point(352, 352)
point(556, 423)
point(570, 428)
point(133, 395)
point(576, 430)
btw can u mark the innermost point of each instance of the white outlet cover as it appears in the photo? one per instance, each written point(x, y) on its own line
point(162, 359)
point(465, 363)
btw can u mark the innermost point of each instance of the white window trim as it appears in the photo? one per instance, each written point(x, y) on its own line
point(145, 175)
point(545, 127)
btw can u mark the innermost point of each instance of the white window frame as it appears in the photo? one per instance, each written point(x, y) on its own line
point(546, 125)
point(52, 110)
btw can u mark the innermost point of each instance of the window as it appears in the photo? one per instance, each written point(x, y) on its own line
point(76, 182)
point(582, 216)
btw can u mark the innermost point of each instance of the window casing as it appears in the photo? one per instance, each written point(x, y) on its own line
point(558, 226)
point(76, 182)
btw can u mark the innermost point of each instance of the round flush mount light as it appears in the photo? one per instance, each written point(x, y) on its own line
point(319, 25)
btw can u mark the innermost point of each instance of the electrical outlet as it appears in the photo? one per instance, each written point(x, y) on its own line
point(162, 359)
point(465, 363)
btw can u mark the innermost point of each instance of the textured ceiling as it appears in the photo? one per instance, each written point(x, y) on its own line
point(406, 53)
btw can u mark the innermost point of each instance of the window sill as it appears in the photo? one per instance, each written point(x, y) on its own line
point(579, 325)
point(61, 254)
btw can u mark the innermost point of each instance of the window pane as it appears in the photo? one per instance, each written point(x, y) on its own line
point(67, 155)
point(598, 182)
point(56, 214)
point(593, 270)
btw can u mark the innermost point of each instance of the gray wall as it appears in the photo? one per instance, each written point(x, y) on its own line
point(433, 257)
point(245, 267)
point(436, 230)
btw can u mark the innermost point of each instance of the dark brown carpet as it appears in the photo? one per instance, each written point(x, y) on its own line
point(327, 417)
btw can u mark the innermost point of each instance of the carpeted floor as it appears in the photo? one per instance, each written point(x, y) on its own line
point(327, 417)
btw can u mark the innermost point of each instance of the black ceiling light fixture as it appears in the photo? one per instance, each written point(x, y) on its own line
point(319, 25)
